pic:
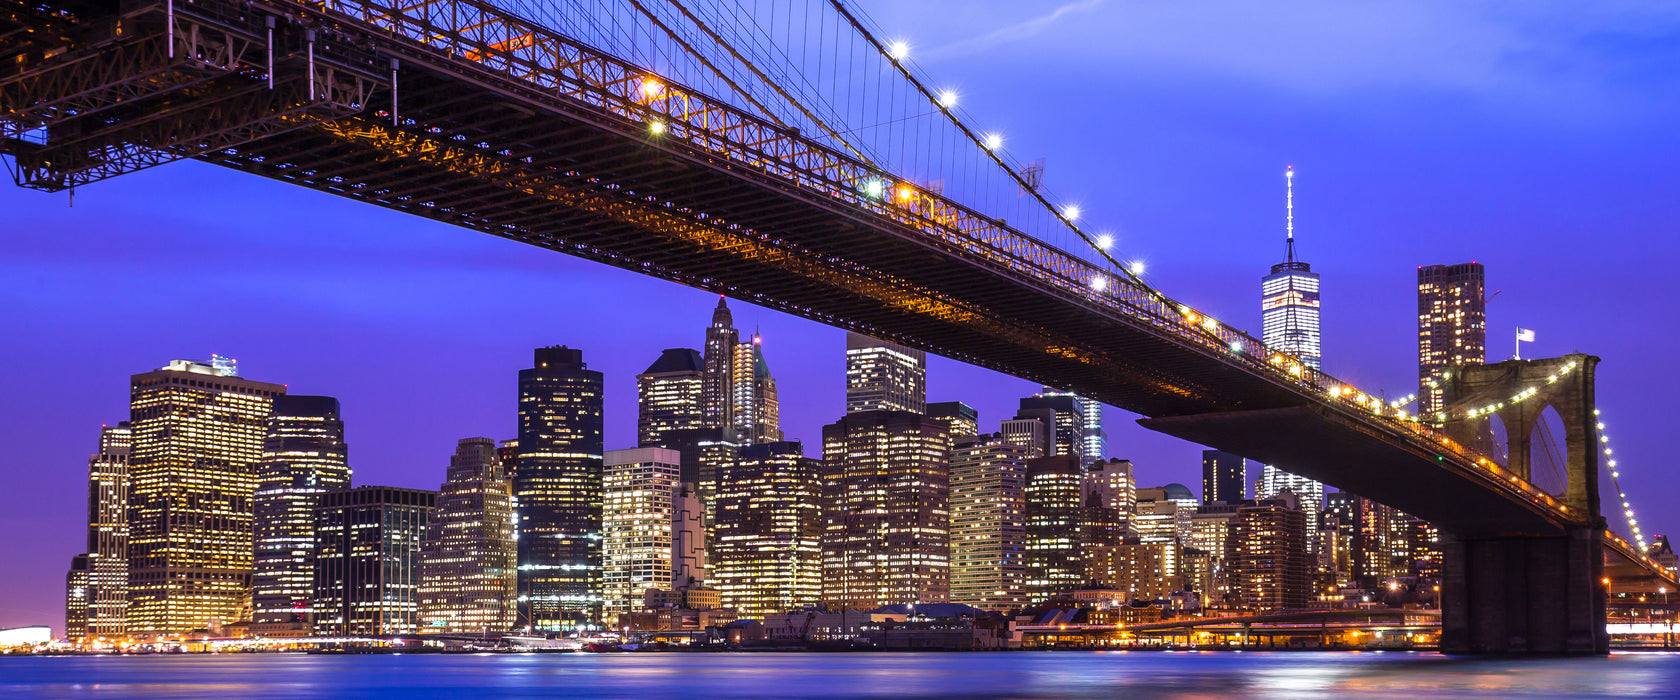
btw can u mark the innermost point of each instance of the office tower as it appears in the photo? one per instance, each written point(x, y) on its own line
point(1289, 302)
point(1380, 546)
point(1274, 481)
point(1163, 512)
point(1210, 529)
point(1112, 485)
point(1054, 491)
point(988, 522)
point(1267, 555)
point(668, 396)
point(705, 453)
point(757, 408)
point(1093, 438)
point(77, 592)
point(688, 538)
point(636, 526)
point(884, 376)
point(197, 437)
point(766, 546)
point(557, 492)
point(963, 418)
point(106, 601)
point(1452, 326)
point(717, 389)
point(1224, 477)
point(304, 456)
point(1028, 433)
point(1064, 421)
point(367, 560)
point(886, 506)
point(469, 574)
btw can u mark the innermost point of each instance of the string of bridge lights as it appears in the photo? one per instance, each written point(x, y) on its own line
point(1616, 480)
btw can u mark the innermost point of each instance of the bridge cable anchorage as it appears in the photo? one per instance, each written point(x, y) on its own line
point(1615, 480)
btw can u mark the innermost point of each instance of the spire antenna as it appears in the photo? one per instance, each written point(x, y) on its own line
point(1289, 208)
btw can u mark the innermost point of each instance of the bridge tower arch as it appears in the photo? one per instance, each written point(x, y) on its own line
point(1528, 592)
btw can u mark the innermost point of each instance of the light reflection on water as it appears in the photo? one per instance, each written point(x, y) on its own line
point(775, 675)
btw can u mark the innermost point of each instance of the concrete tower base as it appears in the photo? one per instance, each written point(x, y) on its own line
point(1524, 595)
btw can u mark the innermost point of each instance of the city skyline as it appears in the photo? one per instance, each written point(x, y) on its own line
point(365, 366)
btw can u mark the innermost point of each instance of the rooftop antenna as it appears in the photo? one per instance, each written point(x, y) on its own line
point(1289, 179)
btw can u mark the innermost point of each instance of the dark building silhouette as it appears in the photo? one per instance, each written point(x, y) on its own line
point(1223, 477)
point(559, 490)
point(367, 556)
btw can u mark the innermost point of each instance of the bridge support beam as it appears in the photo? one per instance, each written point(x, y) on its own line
point(1524, 595)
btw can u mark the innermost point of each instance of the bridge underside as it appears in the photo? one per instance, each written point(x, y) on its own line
point(1324, 446)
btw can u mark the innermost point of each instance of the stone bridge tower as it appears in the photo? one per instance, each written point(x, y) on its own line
point(1528, 592)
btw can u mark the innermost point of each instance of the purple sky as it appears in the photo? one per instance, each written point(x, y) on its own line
point(1537, 139)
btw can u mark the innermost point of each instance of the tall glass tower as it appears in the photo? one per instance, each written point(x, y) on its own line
point(1289, 298)
point(304, 457)
point(558, 490)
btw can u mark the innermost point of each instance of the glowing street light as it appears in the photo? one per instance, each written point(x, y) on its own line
point(1099, 283)
point(656, 128)
point(947, 98)
point(652, 88)
point(898, 50)
point(1105, 241)
point(994, 141)
point(874, 189)
point(1071, 212)
point(1137, 267)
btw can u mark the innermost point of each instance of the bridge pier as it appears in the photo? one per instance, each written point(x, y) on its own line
point(1524, 595)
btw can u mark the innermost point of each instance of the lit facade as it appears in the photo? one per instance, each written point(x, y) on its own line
point(1289, 301)
point(988, 523)
point(668, 396)
point(1267, 555)
point(469, 560)
point(1452, 325)
point(886, 497)
point(1092, 435)
point(100, 594)
point(1145, 571)
point(557, 491)
point(963, 418)
point(198, 433)
point(884, 376)
point(1111, 484)
point(1063, 416)
point(766, 549)
point(1274, 481)
point(758, 413)
point(717, 387)
point(636, 525)
point(304, 456)
point(1054, 505)
point(1028, 433)
point(367, 557)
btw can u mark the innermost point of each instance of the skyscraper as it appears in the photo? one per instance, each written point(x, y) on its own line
point(884, 376)
point(1063, 415)
point(1094, 438)
point(77, 582)
point(198, 433)
point(758, 413)
point(558, 492)
point(304, 457)
point(1274, 481)
point(105, 599)
point(988, 522)
point(1028, 433)
point(766, 551)
point(1289, 302)
point(1452, 325)
point(1223, 477)
point(367, 556)
point(886, 506)
point(963, 418)
point(669, 396)
point(468, 563)
point(636, 526)
point(1054, 500)
point(717, 389)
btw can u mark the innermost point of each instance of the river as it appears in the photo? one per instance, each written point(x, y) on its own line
point(701, 676)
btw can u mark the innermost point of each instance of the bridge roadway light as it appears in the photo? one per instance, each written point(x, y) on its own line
point(1099, 283)
point(898, 50)
point(1105, 241)
point(994, 142)
point(874, 188)
point(1071, 212)
point(1137, 267)
point(656, 128)
point(947, 98)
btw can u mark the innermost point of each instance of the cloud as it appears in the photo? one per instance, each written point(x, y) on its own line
point(1011, 33)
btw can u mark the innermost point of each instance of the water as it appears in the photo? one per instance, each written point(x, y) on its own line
point(702, 676)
